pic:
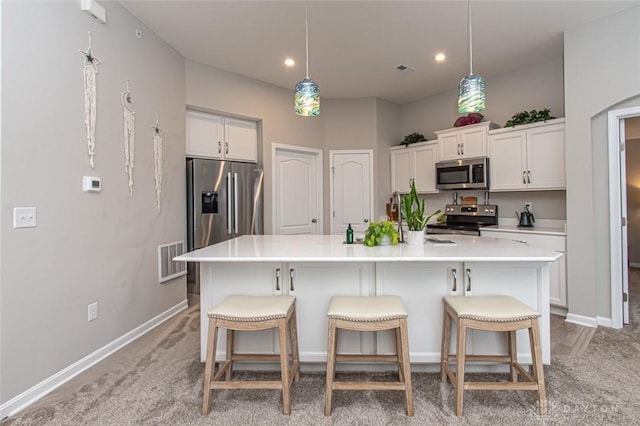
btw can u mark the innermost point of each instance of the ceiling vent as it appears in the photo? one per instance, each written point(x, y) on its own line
point(404, 68)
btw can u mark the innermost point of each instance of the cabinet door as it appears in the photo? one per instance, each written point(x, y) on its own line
point(313, 284)
point(473, 142)
point(424, 166)
point(519, 281)
point(241, 140)
point(449, 145)
point(401, 172)
point(507, 161)
point(421, 286)
point(545, 157)
point(205, 135)
point(260, 279)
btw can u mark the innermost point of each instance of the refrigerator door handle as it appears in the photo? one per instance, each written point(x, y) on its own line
point(235, 202)
point(229, 204)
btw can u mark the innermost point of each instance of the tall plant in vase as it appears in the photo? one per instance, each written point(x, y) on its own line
point(413, 212)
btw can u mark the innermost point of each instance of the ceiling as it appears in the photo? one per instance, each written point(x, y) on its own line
point(354, 46)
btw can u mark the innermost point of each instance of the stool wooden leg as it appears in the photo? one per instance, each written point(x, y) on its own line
point(284, 365)
point(446, 344)
point(399, 354)
point(230, 350)
point(295, 354)
point(513, 355)
point(212, 339)
point(331, 365)
point(403, 358)
point(538, 369)
point(461, 352)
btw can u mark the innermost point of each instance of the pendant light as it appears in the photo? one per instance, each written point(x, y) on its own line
point(471, 96)
point(307, 97)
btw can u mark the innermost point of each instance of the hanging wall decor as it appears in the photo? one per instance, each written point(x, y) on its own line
point(90, 70)
point(157, 159)
point(129, 120)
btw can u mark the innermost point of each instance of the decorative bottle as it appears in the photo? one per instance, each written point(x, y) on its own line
point(349, 235)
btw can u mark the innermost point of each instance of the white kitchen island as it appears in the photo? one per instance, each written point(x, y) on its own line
point(316, 267)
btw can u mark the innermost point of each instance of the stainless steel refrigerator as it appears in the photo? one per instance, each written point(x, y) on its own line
point(224, 201)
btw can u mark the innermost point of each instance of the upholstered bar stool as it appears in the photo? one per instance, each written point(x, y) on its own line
point(368, 313)
point(251, 313)
point(491, 313)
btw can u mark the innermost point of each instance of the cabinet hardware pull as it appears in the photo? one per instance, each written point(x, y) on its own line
point(291, 288)
point(462, 148)
point(455, 281)
point(458, 149)
point(529, 176)
point(219, 147)
point(277, 279)
point(468, 280)
point(519, 241)
point(524, 178)
point(226, 147)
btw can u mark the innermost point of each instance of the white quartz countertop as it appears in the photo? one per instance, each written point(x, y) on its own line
point(330, 248)
point(541, 226)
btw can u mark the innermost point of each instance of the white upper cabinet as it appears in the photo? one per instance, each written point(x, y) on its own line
point(414, 163)
point(218, 137)
point(529, 157)
point(463, 142)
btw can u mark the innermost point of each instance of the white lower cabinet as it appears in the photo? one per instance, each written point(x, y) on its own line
point(421, 287)
point(558, 269)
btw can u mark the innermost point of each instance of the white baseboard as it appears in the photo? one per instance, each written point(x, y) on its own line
point(36, 392)
point(605, 322)
point(582, 320)
point(634, 264)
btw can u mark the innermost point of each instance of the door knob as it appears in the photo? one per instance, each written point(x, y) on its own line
point(314, 220)
point(366, 220)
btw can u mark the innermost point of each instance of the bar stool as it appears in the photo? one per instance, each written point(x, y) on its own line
point(368, 313)
point(491, 313)
point(251, 313)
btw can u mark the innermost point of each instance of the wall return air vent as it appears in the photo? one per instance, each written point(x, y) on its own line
point(168, 269)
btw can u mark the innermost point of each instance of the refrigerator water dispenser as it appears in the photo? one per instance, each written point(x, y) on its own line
point(209, 202)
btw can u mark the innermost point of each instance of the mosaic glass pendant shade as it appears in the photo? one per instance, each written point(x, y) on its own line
point(307, 98)
point(471, 94)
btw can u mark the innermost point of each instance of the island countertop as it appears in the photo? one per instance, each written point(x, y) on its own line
point(331, 248)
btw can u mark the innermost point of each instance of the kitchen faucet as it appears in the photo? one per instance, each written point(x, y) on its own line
point(398, 198)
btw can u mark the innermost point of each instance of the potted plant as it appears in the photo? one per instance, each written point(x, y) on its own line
point(381, 233)
point(413, 212)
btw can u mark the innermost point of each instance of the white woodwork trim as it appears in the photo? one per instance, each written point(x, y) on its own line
point(275, 147)
point(41, 389)
point(582, 320)
point(634, 264)
point(604, 322)
point(333, 152)
point(618, 258)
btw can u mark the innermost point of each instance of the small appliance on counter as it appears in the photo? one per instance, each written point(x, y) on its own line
point(525, 219)
point(465, 219)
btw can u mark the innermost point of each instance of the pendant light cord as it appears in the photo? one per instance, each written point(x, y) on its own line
point(306, 30)
point(470, 37)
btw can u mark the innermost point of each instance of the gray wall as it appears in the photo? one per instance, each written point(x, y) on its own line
point(601, 73)
point(86, 247)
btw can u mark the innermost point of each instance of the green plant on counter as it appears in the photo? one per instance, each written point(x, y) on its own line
point(413, 138)
point(413, 210)
point(377, 230)
point(526, 117)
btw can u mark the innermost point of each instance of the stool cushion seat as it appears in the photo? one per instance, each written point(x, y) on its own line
point(490, 308)
point(252, 308)
point(366, 308)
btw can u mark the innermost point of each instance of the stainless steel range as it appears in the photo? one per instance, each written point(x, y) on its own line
point(466, 219)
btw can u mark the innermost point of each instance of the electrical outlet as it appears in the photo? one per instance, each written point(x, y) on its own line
point(92, 310)
point(528, 205)
point(24, 217)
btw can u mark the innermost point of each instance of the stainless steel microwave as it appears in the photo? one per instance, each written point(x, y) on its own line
point(472, 173)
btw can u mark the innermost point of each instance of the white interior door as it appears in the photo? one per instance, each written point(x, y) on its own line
point(351, 190)
point(297, 190)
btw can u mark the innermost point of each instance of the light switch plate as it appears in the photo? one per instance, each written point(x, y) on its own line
point(24, 217)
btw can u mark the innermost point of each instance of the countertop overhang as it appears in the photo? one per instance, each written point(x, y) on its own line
point(331, 248)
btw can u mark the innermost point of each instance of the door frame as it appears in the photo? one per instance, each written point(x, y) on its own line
point(617, 184)
point(331, 183)
point(317, 153)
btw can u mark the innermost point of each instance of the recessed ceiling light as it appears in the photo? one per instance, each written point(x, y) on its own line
point(440, 57)
point(289, 62)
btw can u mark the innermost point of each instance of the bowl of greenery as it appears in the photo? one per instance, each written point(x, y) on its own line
point(381, 233)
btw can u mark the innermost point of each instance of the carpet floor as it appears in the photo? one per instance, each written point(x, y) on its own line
point(157, 380)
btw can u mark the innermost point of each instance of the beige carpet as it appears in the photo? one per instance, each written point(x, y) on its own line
point(157, 380)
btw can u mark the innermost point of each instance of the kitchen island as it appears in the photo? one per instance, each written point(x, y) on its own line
point(316, 267)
